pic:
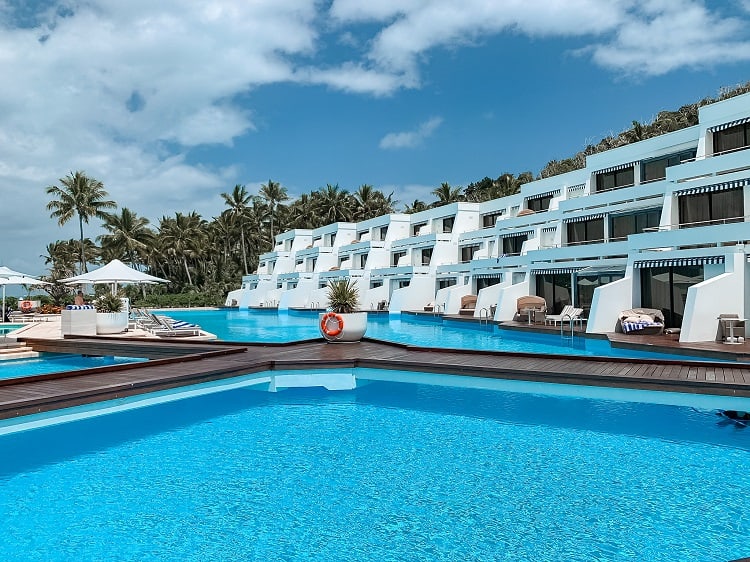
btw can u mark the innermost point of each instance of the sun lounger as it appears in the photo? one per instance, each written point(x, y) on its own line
point(567, 314)
point(642, 321)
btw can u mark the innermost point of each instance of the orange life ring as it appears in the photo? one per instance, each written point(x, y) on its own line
point(26, 306)
point(326, 326)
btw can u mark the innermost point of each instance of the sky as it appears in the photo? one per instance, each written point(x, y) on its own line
point(171, 103)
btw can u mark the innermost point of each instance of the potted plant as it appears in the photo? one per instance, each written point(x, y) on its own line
point(110, 317)
point(341, 323)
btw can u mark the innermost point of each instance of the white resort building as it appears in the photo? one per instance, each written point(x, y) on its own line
point(660, 224)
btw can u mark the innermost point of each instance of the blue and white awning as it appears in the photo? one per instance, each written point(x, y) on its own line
point(579, 187)
point(585, 218)
point(553, 193)
point(538, 270)
point(729, 125)
point(549, 228)
point(677, 262)
point(724, 186)
point(488, 275)
point(615, 168)
point(517, 234)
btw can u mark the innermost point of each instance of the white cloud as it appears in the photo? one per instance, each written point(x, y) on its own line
point(411, 139)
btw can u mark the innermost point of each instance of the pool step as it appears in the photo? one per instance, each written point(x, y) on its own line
point(16, 351)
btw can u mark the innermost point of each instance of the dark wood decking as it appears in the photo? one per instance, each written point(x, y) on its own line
point(175, 364)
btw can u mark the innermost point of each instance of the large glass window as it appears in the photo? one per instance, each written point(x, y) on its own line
point(656, 169)
point(713, 207)
point(467, 252)
point(555, 288)
point(448, 223)
point(621, 226)
point(446, 282)
point(395, 256)
point(489, 220)
point(483, 282)
point(732, 138)
point(383, 233)
point(512, 245)
point(585, 285)
point(426, 256)
point(585, 232)
point(416, 227)
point(615, 179)
point(666, 288)
point(539, 204)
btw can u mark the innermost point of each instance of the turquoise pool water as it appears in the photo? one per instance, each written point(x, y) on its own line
point(8, 328)
point(57, 362)
point(270, 326)
point(389, 471)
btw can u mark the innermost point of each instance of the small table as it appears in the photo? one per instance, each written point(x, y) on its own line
point(731, 323)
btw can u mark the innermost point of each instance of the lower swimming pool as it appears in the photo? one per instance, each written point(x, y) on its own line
point(56, 362)
point(272, 326)
point(388, 471)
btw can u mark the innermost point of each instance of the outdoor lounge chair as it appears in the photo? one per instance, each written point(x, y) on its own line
point(530, 305)
point(730, 328)
point(567, 314)
point(642, 321)
point(168, 327)
point(468, 305)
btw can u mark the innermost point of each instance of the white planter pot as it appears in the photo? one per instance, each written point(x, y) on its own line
point(353, 328)
point(111, 322)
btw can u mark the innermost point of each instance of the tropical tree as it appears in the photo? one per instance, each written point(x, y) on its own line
point(82, 196)
point(415, 207)
point(182, 238)
point(332, 204)
point(128, 237)
point(273, 193)
point(447, 194)
point(238, 202)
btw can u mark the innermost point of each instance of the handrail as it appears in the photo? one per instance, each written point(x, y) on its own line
point(484, 314)
point(562, 325)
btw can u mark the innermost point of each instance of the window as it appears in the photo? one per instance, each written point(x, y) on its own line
point(656, 169)
point(555, 288)
point(615, 179)
point(415, 228)
point(313, 263)
point(585, 285)
point(489, 220)
point(586, 232)
point(395, 256)
point(666, 288)
point(362, 260)
point(539, 204)
point(701, 209)
point(467, 252)
point(621, 226)
point(447, 282)
point(484, 282)
point(383, 233)
point(733, 138)
point(361, 233)
point(512, 245)
point(448, 223)
point(426, 256)
point(376, 284)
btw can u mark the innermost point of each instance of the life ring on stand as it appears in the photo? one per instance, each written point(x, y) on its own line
point(25, 306)
point(331, 324)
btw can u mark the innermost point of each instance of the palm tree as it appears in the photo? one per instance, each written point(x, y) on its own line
point(78, 195)
point(183, 238)
point(415, 207)
point(332, 204)
point(129, 236)
point(238, 203)
point(447, 194)
point(273, 193)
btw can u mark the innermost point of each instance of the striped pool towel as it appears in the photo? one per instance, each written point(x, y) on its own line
point(636, 326)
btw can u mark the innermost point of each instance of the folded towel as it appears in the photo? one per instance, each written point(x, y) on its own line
point(79, 307)
point(628, 326)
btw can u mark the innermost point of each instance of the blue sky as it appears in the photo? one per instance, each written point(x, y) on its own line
point(170, 103)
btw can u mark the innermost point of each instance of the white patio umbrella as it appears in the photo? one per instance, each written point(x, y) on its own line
point(113, 273)
point(19, 279)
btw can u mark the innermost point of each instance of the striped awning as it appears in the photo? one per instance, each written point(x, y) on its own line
point(579, 187)
point(549, 228)
point(541, 195)
point(729, 125)
point(724, 186)
point(676, 262)
point(517, 234)
point(585, 218)
point(615, 168)
point(598, 269)
point(495, 275)
point(538, 270)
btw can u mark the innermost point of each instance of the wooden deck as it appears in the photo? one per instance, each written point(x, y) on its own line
point(179, 363)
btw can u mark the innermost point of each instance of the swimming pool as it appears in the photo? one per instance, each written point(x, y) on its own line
point(57, 362)
point(8, 328)
point(273, 326)
point(389, 471)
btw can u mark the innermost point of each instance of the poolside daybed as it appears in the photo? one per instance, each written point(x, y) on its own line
point(641, 321)
point(530, 308)
point(468, 305)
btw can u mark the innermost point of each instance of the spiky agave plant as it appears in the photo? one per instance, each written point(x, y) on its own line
point(343, 296)
point(108, 303)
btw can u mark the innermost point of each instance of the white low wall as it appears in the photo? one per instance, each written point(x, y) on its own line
point(420, 292)
point(608, 303)
point(370, 298)
point(299, 297)
point(449, 298)
point(488, 297)
point(233, 298)
point(257, 296)
point(705, 301)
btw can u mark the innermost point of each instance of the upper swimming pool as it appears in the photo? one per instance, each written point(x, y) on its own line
point(273, 326)
point(55, 363)
point(392, 470)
